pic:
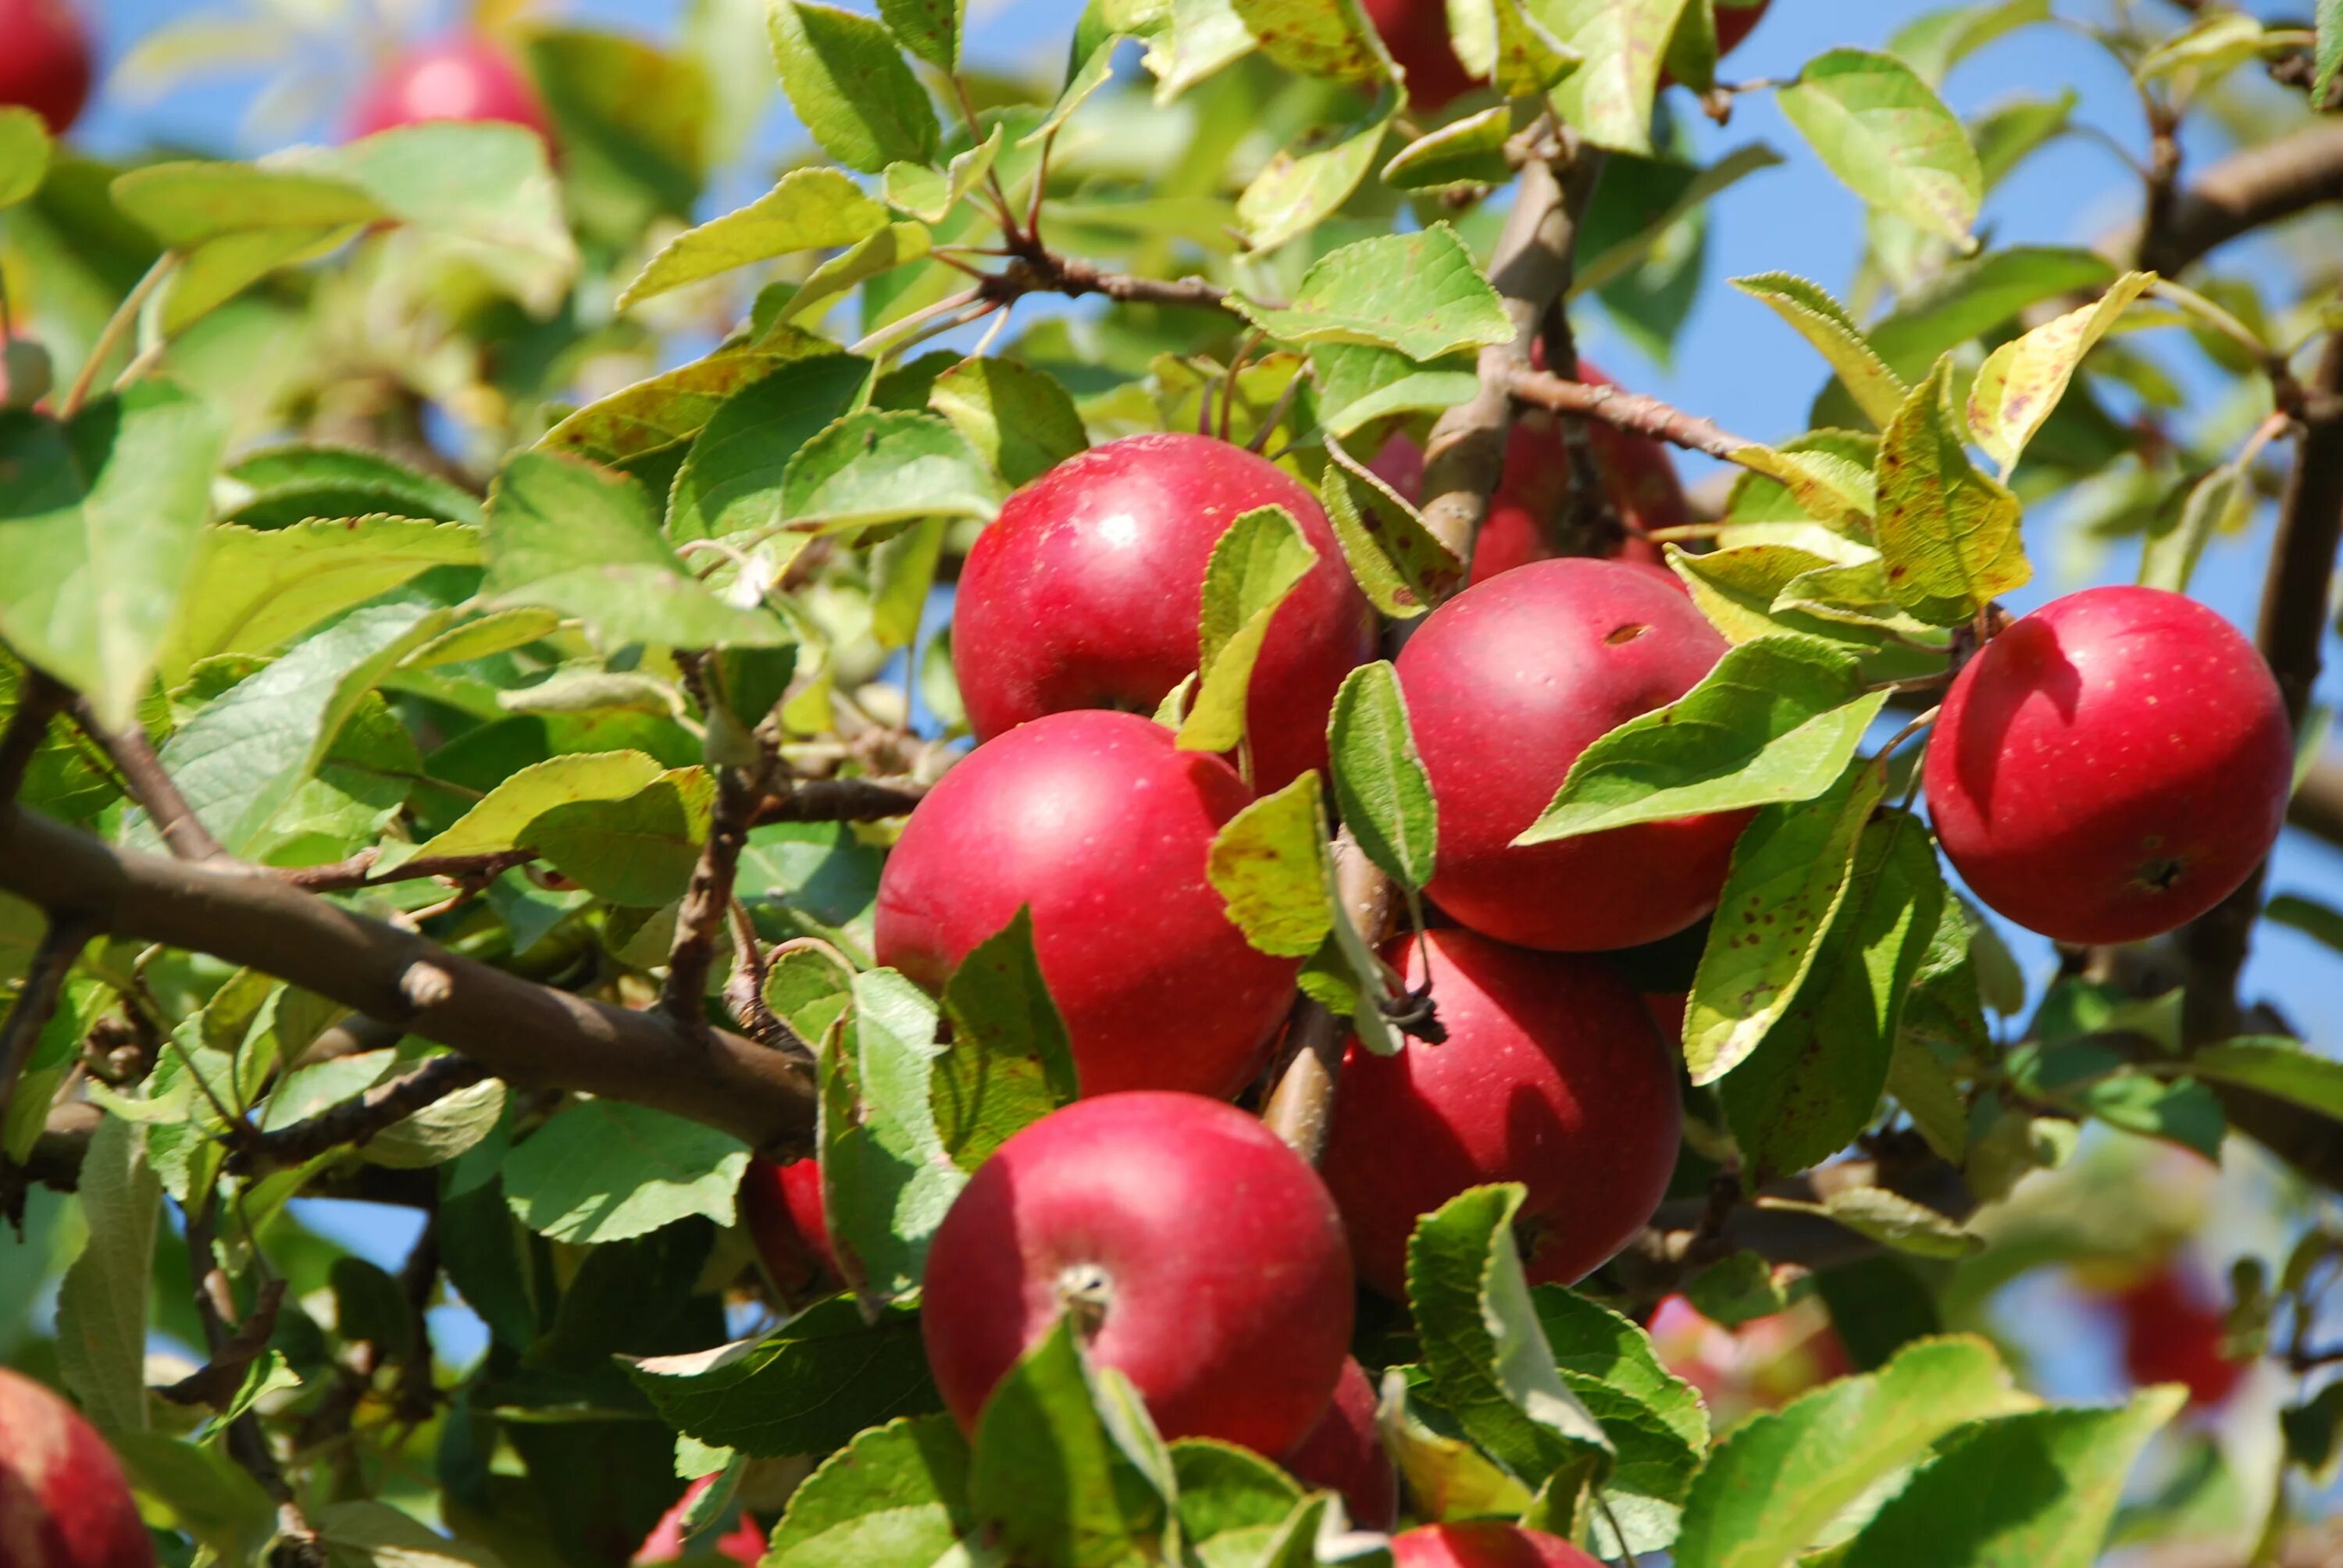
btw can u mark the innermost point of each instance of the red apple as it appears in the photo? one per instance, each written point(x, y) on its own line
point(1416, 34)
point(781, 1206)
point(1344, 1453)
point(64, 1502)
point(1202, 1256)
point(460, 77)
point(1553, 1075)
point(2111, 766)
point(1667, 1011)
point(1506, 684)
point(1484, 1544)
point(44, 60)
point(1086, 590)
point(1101, 824)
point(2172, 1334)
point(745, 1542)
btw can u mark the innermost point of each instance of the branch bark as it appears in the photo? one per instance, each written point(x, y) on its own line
point(523, 1032)
point(36, 1002)
point(708, 899)
point(355, 1120)
point(39, 700)
point(842, 800)
point(1038, 269)
point(182, 831)
point(2245, 191)
point(1625, 410)
point(1300, 1104)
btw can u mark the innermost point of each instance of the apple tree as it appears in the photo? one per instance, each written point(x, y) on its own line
point(1057, 848)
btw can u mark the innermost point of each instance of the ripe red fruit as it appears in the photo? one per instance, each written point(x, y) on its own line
point(744, 1542)
point(1344, 1453)
point(1506, 684)
point(44, 61)
point(2111, 766)
point(1553, 1075)
point(1484, 1544)
point(1416, 34)
point(460, 77)
point(2171, 1334)
point(1086, 590)
point(1202, 1254)
point(782, 1207)
point(64, 1502)
point(1104, 826)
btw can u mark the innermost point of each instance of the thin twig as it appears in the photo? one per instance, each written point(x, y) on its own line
point(39, 699)
point(358, 872)
point(706, 901)
point(36, 1002)
point(182, 833)
point(110, 336)
point(1629, 411)
point(360, 1117)
point(841, 800)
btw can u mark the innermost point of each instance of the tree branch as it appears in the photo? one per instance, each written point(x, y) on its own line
point(356, 1119)
point(842, 800)
point(1623, 410)
point(2242, 192)
point(36, 1002)
point(708, 899)
point(182, 833)
point(39, 699)
point(358, 872)
point(521, 1032)
point(1300, 1104)
point(1038, 269)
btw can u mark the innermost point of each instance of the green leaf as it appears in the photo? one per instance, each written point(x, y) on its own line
point(1019, 420)
point(1652, 207)
point(1888, 138)
point(898, 1494)
point(1329, 39)
point(100, 522)
point(1397, 562)
point(655, 416)
point(881, 466)
point(280, 485)
point(1962, 1507)
point(1789, 873)
point(241, 760)
point(1446, 1476)
point(1816, 1080)
point(1503, 43)
point(1608, 99)
point(1380, 784)
point(1268, 864)
point(1261, 558)
point(1010, 1062)
point(24, 153)
point(362, 1534)
point(101, 1332)
point(500, 820)
point(1308, 182)
point(1824, 476)
point(2275, 1066)
point(185, 204)
point(731, 480)
point(1418, 293)
point(1948, 533)
point(1651, 1417)
point(1773, 1488)
point(897, 245)
point(887, 1176)
point(1359, 384)
point(606, 1171)
point(1204, 36)
point(2328, 56)
point(254, 590)
point(1484, 1345)
point(1977, 296)
point(1889, 1219)
point(567, 536)
point(806, 1387)
point(1231, 1502)
point(930, 29)
point(1054, 1479)
point(1097, 69)
point(1466, 152)
point(808, 209)
point(638, 851)
point(441, 1131)
point(2204, 52)
point(850, 86)
point(1777, 720)
point(1824, 322)
point(210, 1496)
point(1932, 44)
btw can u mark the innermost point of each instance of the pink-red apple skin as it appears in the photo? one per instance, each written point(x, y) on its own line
point(1344, 1453)
point(1415, 32)
point(2111, 766)
point(1553, 1075)
point(1086, 590)
point(1506, 684)
point(45, 61)
point(1484, 1544)
point(462, 76)
point(781, 1205)
point(1105, 827)
point(2172, 1333)
point(64, 1502)
point(1214, 1248)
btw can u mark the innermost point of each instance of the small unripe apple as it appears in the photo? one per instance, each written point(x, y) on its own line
point(1506, 684)
point(1484, 1544)
point(2111, 766)
point(1344, 1453)
point(1086, 590)
point(781, 1205)
point(1553, 1075)
point(64, 1502)
point(1197, 1254)
point(1104, 826)
point(45, 62)
point(1415, 32)
point(2173, 1334)
point(463, 76)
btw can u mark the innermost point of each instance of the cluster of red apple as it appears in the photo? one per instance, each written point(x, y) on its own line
point(1415, 32)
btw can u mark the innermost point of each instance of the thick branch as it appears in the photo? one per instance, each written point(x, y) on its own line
point(2245, 191)
point(521, 1032)
point(841, 800)
point(354, 1121)
point(182, 833)
point(1623, 410)
point(1301, 1107)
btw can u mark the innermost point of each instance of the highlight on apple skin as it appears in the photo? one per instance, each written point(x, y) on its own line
point(64, 1502)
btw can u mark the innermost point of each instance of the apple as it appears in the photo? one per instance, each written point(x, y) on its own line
point(1553, 1075)
point(1415, 32)
point(46, 63)
point(1667, 1011)
point(1200, 1256)
point(463, 76)
point(1506, 684)
point(64, 1502)
point(1104, 826)
point(1085, 592)
point(1344, 1453)
point(2111, 766)
point(781, 1205)
point(744, 1542)
point(1484, 1544)
point(2172, 1334)
point(1762, 1364)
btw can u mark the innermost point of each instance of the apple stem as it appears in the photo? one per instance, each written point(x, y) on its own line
point(1086, 1291)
